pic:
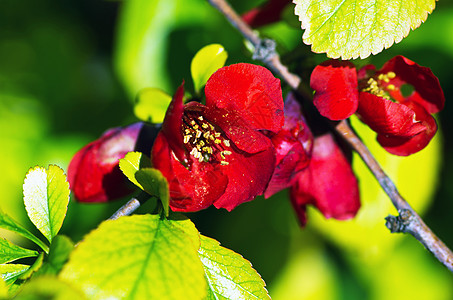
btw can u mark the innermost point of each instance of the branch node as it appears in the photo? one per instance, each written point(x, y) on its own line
point(264, 50)
point(399, 223)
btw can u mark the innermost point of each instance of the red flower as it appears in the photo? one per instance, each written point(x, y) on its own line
point(293, 147)
point(94, 174)
point(328, 183)
point(397, 101)
point(317, 172)
point(268, 13)
point(218, 153)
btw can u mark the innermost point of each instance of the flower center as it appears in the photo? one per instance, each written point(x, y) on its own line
point(376, 87)
point(204, 142)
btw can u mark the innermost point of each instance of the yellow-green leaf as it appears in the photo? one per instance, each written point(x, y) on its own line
point(358, 28)
point(8, 223)
point(155, 184)
point(207, 60)
point(151, 105)
point(229, 275)
point(131, 163)
point(10, 272)
point(11, 252)
point(138, 257)
point(46, 198)
point(136, 167)
point(49, 288)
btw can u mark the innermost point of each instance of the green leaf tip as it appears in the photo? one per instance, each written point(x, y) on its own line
point(205, 62)
point(46, 198)
point(151, 105)
point(137, 168)
point(349, 29)
point(138, 257)
point(229, 275)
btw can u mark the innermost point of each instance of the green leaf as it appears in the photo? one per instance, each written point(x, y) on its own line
point(33, 268)
point(229, 275)
point(136, 167)
point(155, 184)
point(358, 28)
point(151, 105)
point(49, 288)
point(207, 60)
point(46, 197)
point(11, 252)
point(10, 272)
point(138, 257)
point(131, 163)
point(6, 222)
point(60, 249)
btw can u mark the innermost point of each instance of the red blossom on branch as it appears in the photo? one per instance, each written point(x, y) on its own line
point(315, 169)
point(218, 153)
point(94, 174)
point(396, 101)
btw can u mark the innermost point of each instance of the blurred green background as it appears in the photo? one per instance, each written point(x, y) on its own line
point(71, 69)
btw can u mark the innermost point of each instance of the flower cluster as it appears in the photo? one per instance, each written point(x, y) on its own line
point(396, 101)
point(243, 142)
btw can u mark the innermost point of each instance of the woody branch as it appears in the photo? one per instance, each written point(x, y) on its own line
point(408, 221)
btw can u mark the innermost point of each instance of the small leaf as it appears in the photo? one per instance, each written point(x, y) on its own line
point(11, 252)
point(358, 28)
point(207, 60)
point(33, 268)
point(49, 288)
point(229, 275)
point(6, 222)
point(10, 272)
point(46, 198)
point(131, 163)
point(151, 105)
point(155, 184)
point(138, 257)
point(136, 167)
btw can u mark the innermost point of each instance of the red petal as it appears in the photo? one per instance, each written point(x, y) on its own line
point(335, 83)
point(249, 90)
point(428, 92)
point(265, 14)
point(172, 124)
point(238, 130)
point(328, 182)
point(386, 117)
point(404, 146)
point(295, 123)
point(93, 173)
point(248, 176)
point(293, 146)
point(291, 159)
point(190, 190)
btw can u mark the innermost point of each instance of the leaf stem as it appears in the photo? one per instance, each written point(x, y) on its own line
point(408, 220)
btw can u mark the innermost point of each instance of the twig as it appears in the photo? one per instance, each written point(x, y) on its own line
point(408, 220)
point(131, 206)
